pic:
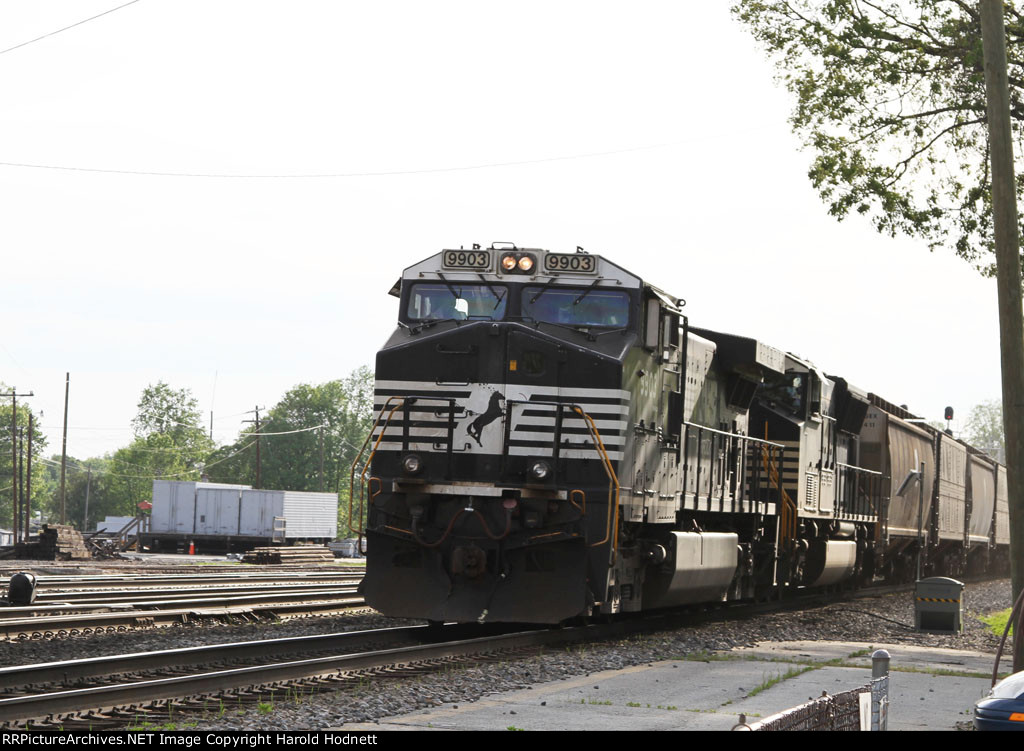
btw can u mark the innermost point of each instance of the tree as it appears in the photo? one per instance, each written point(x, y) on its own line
point(984, 429)
point(290, 440)
point(169, 443)
point(41, 490)
point(912, 109)
point(891, 100)
point(174, 415)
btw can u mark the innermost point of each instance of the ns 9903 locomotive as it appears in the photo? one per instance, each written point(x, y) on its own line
point(554, 439)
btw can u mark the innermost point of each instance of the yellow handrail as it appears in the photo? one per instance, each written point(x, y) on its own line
point(362, 475)
point(613, 487)
point(788, 515)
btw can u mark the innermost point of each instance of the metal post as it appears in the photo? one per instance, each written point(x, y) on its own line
point(920, 514)
point(880, 690)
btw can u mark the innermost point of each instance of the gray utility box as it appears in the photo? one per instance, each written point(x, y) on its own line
point(939, 605)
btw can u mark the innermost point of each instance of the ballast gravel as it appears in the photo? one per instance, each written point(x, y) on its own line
point(879, 619)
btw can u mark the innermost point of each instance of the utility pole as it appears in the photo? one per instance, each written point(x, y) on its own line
point(1008, 282)
point(321, 431)
point(19, 533)
point(85, 516)
point(257, 421)
point(28, 482)
point(64, 448)
point(14, 458)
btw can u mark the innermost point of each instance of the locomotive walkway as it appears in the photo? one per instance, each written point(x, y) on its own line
point(930, 689)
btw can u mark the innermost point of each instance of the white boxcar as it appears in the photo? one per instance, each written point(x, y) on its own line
point(219, 510)
point(174, 505)
point(289, 514)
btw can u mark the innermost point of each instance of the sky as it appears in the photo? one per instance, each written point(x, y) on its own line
point(219, 195)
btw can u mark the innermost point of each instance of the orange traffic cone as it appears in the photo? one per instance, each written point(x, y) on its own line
point(191, 548)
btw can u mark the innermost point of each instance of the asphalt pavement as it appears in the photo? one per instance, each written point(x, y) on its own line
point(930, 689)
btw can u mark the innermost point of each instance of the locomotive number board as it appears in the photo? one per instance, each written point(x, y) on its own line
point(570, 263)
point(467, 260)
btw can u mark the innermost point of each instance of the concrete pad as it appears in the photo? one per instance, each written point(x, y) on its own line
point(711, 695)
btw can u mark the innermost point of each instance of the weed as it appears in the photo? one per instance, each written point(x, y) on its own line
point(996, 622)
point(513, 727)
point(265, 707)
point(669, 706)
point(860, 653)
point(767, 683)
point(632, 704)
point(600, 703)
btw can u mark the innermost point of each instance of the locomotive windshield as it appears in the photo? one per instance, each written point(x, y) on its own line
point(457, 300)
point(576, 307)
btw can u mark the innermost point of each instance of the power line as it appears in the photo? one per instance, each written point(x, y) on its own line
point(318, 175)
point(58, 31)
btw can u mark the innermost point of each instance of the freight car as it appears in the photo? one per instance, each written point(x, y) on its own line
point(553, 439)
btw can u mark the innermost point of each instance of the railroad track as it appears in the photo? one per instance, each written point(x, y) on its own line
point(343, 659)
point(120, 704)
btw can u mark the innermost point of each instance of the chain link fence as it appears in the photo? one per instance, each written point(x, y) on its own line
point(864, 708)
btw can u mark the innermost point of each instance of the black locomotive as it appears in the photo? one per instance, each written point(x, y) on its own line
point(553, 439)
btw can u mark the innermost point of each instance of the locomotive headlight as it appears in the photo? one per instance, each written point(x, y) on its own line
point(525, 263)
point(412, 464)
point(539, 471)
point(508, 262)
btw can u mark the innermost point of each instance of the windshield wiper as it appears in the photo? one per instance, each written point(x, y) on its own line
point(493, 290)
point(587, 291)
point(455, 293)
point(542, 290)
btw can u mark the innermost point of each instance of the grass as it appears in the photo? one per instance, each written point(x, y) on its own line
point(265, 707)
point(767, 683)
point(996, 622)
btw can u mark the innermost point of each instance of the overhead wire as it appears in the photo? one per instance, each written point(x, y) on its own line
point(328, 175)
point(71, 26)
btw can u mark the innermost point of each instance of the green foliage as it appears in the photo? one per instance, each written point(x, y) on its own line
point(41, 490)
point(984, 429)
point(291, 460)
point(996, 622)
point(890, 99)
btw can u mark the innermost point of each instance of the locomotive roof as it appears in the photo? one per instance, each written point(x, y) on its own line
point(482, 264)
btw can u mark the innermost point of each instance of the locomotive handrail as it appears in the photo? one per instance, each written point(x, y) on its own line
point(613, 487)
point(355, 462)
point(735, 435)
point(788, 515)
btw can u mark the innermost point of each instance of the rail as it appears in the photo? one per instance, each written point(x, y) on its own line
point(857, 490)
point(730, 468)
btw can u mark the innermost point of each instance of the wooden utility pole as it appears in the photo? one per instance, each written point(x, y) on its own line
point(85, 514)
point(28, 482)
point(19, 533)
point(321, 458)
point(64, 449)
point(14, 459)
point(1008, 278)
point(257, 421)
